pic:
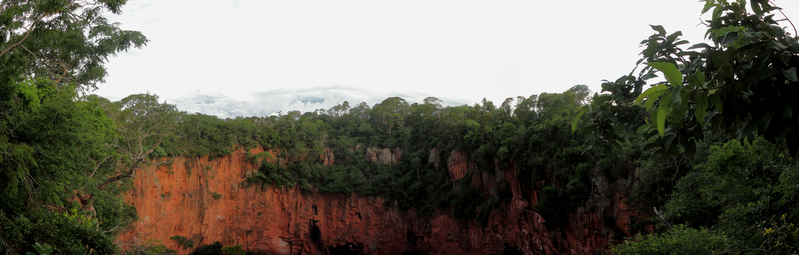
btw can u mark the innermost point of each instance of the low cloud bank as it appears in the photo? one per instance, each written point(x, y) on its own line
point(285, 99)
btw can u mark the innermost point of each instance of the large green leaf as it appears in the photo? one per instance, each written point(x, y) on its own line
point(660, 29)
point(676, 98)
point(673, 75)
point(651, 91)
point(577, 120)
point(716, 98)
point(643, 128)
point(728, 29)
point(793, 43)
point(756, 7)
point(651, 101)
point(697, 79)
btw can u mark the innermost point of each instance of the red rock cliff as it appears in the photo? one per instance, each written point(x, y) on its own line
point(207, 201)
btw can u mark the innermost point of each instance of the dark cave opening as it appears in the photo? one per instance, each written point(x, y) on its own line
point(411, 238)
point(346, 249)
point(511, 250)
point(315, 234)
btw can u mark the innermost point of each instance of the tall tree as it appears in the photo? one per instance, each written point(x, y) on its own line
point(66, 41)
point(51, 139)
point(142, 123)
point(391, 113)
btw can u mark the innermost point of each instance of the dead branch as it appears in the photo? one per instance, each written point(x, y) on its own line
point(663, 219)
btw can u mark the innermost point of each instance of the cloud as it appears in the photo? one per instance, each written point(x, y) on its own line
point(286, 99)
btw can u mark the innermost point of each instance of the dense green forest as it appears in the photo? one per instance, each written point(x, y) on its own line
point(713, 147)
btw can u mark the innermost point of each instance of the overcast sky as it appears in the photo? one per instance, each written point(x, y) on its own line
point(255, 57)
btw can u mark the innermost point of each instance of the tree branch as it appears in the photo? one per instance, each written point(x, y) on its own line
point(98, 165)
point(663, 219)
point(132, 169)
point(17, 44)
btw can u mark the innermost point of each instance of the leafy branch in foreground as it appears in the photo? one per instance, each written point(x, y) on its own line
point(742, 85)
point(65, 41)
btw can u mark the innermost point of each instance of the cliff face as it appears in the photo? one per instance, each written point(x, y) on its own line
point(207, 201)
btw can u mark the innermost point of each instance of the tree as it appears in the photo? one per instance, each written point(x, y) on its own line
point(361, 111)
point(525, 110)
point(142, 123)
point(738, 86)
point(53, 147)
point(390, 113)
point(581, 94)
point(65, 41)
point(339, 109)
point(723, 123)
point(52, 139)
point(506, 110)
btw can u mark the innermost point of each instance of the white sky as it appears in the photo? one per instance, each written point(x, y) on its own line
point(256, 57)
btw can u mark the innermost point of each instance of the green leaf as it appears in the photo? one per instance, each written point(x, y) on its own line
point(756, 7)
point(577, 120)
point(661, 122)
point(649, 134)
point(700, 45)
point(668, 140)
point(660, 29)
point(652, 145)
point(666, 100)
point(729, 29)
point(651, 100)
point(716, 97)
point(774, 45)
point(673, 36)
point(617, 144)
point(673, 75)
point(676, 99)
point(790, 74)
point(643, 128)
point(793, 44)
point(653, 116)
point(651, 91)
point(697, 79)
point(708, 6)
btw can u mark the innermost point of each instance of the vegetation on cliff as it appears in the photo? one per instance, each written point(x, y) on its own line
point(533, 134)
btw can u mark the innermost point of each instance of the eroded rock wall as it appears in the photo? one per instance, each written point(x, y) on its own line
point(208, 201)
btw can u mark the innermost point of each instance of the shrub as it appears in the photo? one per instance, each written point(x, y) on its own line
point(679, 240)
point(182, 241)
point(234, 250)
